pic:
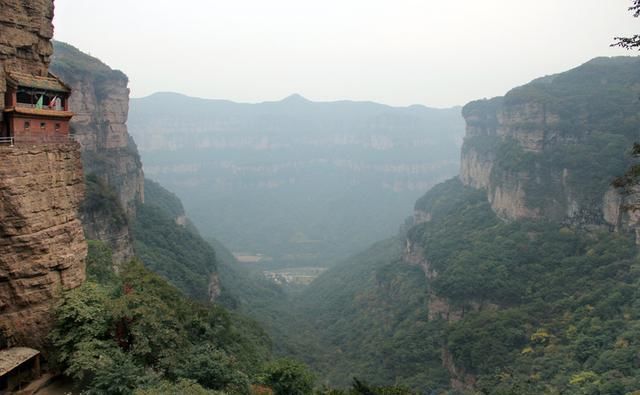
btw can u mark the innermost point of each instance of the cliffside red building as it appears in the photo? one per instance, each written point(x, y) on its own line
point(36, 109)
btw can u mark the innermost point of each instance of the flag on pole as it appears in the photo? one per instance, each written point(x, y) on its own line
point(40, 102)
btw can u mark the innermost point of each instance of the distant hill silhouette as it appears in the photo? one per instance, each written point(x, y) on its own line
point(254, 175)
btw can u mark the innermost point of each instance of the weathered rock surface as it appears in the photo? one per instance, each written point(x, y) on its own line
point(621, 209)
point(437, 306)
point(100, 101)
point(42, 245)
point(545, 149)
point(26, 26)
point(475, 168)
point(215, 287)
point(531, 127)
point(421, 217)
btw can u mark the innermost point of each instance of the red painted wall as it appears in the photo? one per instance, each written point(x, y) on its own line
point(35, 133)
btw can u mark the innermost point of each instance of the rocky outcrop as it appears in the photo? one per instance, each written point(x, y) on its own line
point(523, 129)
point(437, 307)
point(440, 308)
point(509, 200)
point(114, 233)
point(421, 217)
point(475, 168)
point(42, 246)
point(215, 287)
point(621, 209)
point(100, 100)
point(531, 124)
point(545, 150)
point(460, 380)
point(182, 220)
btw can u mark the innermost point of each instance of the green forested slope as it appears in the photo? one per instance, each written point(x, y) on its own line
point(561, 307)
point(132, 331)
point(564, 313)
point(366, 318)
point(247, 291)
point(176, 252)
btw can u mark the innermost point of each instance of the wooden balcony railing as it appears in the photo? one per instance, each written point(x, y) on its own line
point(36, 139)
point(34, 106)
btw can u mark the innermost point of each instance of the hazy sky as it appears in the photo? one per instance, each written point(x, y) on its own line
point(438, 53)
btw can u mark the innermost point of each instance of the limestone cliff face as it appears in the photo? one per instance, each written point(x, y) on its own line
point(550, 149)
point(621, 209)
point(529, 128)
point(25, 30)
point(475, 168)
point(433, 206)
point(437, 306)
point(42, 246)
point(27, 27)
point(100, 100)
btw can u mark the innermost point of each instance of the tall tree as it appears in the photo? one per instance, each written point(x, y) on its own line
point(633, 174)
point(632, 42)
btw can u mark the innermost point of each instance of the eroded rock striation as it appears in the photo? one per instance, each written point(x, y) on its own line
point(100, 100)
point(42, 246)
point(550, 149)
point(26, 28)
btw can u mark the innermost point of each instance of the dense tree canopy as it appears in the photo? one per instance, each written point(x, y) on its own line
point(135, 331)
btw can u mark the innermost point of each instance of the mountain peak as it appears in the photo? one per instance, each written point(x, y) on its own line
point(296, 98)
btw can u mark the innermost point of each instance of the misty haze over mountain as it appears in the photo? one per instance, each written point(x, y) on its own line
point(304, 183)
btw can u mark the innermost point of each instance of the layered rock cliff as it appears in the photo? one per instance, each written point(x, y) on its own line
point(42, 246)
point(100, 100)
point(551, 148)
point(26, 26)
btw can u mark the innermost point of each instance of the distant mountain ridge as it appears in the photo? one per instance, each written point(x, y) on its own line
point(259, 176)
point(291, 116)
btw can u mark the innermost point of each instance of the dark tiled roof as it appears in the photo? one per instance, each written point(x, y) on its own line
point(51, 83)
point(11, 358)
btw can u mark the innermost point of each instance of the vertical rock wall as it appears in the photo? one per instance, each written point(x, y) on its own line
point(550, 149)
point(100, 100)
point(42, 246)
